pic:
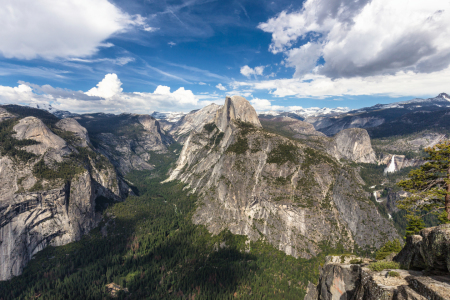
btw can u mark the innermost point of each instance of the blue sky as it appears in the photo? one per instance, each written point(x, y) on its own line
point(144, 56)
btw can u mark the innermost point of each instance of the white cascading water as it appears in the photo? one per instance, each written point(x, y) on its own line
point(376, 198)
point(391, 167)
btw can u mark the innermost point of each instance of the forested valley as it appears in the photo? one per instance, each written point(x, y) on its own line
point(150, 249)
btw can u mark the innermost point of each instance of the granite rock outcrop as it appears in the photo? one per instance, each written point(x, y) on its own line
point(38, 209)
point(236, 108)
point(264, 185)
point(71, 125)
point(127, 139)
point(430, 250)
point(345, 281)
point(352, 144)
point(193, 121)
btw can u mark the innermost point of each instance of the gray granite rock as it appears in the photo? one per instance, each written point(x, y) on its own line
point(236, 108)
point(294, 204)
point(71, 125)
point(55, 212)
point(193, 121)
point(428, 250)
point(343, 281)
point(353, 144)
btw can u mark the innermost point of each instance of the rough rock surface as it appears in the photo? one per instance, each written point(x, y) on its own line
point(128, 141)
point(34, 129)
point(195, 120)
point(54, 212)
point(236, 108)
point(413, 142)
point(71, 125)
point(428, 250)
point(4, 114)
point(356, 282)
point(300, 129)
point(352, 144)
point(395, 163)
point(247, 185)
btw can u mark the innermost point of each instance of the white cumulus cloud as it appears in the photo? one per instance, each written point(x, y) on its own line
point(364, 38)
point(221, 87)
point(60, 29)
point(248, 72)
point(320, 86)
point(107, 96)
point(264, 105)
point(107, 88)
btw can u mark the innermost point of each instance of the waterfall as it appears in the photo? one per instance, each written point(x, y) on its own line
point(391, 167)
point(376, 198)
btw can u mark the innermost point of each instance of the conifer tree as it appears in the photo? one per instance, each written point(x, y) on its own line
point(415, 225)
point(429, 185)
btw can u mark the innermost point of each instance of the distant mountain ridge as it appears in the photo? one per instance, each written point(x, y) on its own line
point(62, 114)
point(307, 112)
point(378, 119)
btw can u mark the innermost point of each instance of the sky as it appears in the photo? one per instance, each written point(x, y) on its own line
point(170, 56)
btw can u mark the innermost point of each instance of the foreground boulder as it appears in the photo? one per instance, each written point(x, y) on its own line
point(429, 250)
point(346, 281)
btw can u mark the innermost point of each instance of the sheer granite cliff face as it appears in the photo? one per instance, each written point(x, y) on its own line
point(192, 121)
point(36, 212)
point(339, 279)
point(236, 108)
point(127, 140)
point(352, 144)
point(266, 186)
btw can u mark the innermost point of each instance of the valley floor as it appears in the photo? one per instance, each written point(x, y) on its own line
point(149, 247)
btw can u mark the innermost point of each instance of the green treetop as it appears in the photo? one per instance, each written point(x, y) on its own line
point(429, 185)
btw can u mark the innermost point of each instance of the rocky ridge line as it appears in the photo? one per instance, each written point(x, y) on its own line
point(266, 186)
point(36, 212)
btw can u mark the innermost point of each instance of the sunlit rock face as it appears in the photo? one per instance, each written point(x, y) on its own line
point(71, 125)
point(236, 108)
point(266, 186)
point(36, 212)
point(340, 279)
point(193, 121)
point(129, 140)
point(353, 144)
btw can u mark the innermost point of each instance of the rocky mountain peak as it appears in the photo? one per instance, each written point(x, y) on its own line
point(4, 114)
point(73, 126)
point(354, 144)
point(264, 185)
point(236, 108)
point(195, 120)
point(444, 96)
point(149, 123)
point(34, 129)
